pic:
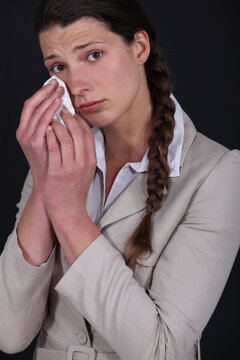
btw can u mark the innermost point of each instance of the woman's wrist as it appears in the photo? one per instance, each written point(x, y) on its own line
point(38, 192)
point(34, 231)
point(76, 235)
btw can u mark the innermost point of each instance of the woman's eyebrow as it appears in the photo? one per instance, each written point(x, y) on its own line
point(80, 47)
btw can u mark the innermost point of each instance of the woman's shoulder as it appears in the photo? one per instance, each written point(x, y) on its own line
point(201, 152)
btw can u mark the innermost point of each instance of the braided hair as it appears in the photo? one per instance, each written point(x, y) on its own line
point(125, 18)
point(161, 129)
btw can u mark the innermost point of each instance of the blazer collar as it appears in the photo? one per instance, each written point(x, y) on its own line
point(189, 136)
point(133, 198)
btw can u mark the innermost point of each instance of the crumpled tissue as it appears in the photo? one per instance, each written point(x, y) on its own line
point(66, 101)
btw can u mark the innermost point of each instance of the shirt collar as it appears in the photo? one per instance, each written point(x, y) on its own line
point(174, 150)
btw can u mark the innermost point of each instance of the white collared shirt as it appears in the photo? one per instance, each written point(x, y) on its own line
point(130, 170)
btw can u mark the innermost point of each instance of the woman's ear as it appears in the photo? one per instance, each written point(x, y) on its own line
point(141, 46)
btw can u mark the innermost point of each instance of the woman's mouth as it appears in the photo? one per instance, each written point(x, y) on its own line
point(91, 106)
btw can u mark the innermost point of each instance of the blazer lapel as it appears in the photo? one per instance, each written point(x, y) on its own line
point(133, 198)
point(130, 201)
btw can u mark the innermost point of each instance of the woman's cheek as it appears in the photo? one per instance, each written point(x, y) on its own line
point(118, 72)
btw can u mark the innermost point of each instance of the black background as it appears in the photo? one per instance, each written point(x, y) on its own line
point(200, 42)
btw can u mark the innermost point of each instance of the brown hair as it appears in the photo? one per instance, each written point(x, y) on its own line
point(162, 129)
point(125, 18)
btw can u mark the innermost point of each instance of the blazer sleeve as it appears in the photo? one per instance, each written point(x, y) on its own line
point(164, 322)
point(23, 289)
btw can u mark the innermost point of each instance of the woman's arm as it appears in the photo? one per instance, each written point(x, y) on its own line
point(23, 287)
point(164, 322)
point(71, 167)
point(35, 233)
point(25, 275)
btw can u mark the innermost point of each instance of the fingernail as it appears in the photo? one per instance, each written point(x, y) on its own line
point(53, 81)
point(49, 128)
point(59, 88)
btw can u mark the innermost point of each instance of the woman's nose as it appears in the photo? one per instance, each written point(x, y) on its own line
point(77, 83)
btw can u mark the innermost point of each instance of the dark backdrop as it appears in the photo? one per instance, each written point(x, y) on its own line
point(200, 41)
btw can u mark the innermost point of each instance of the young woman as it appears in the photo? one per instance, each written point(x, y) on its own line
point(128, 228)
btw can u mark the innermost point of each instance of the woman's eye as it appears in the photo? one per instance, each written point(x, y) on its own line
point(57, 68)
point(94, 56)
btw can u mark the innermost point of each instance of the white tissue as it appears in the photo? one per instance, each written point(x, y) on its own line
point(66, 101)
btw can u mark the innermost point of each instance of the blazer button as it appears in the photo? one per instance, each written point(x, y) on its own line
point(82, 337)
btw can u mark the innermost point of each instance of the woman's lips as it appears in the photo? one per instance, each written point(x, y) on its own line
point(91, 106)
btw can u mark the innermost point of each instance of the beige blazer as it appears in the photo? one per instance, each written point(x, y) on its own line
point(160, 311)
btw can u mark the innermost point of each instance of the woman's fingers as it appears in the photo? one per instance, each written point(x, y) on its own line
point(65, 142)
point(39, 129)
point(43, 114)
point(54, 153)
point(76, 145)
point(34, 102)
point(83, 139)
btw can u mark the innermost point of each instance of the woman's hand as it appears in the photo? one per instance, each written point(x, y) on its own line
point(71, 167)
point(35, 233)
point(37, 114)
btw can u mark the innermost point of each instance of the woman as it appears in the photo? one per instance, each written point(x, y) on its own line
point(126, 233)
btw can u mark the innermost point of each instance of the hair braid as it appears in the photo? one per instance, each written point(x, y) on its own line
point(162, 129)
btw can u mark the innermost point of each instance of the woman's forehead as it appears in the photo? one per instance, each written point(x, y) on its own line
point(82, 31)
point(86, 26)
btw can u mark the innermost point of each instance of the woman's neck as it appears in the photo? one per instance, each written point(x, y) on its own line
point(129, 146)
point(127, 140)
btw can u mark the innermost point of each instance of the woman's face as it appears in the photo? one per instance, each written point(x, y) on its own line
point(105, 76)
